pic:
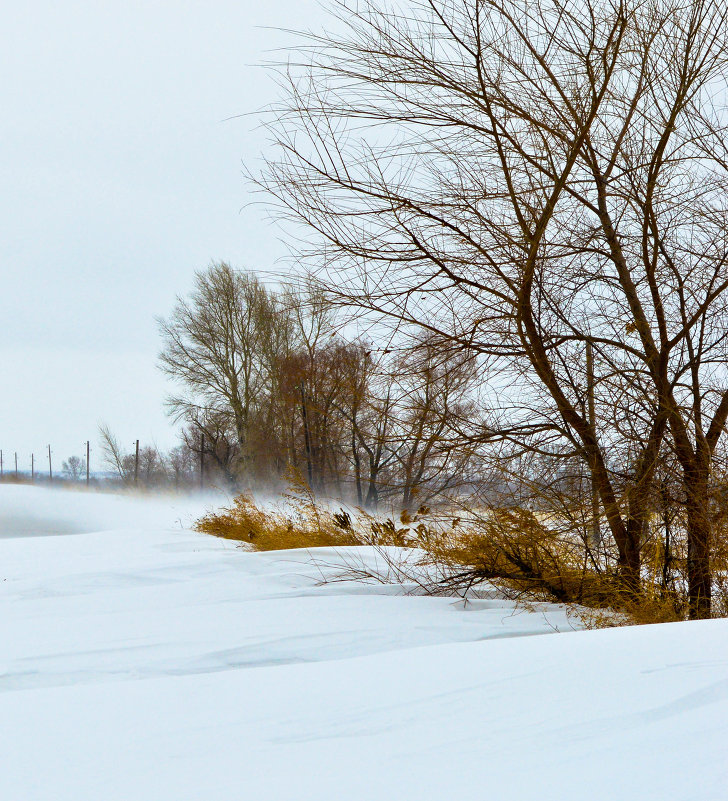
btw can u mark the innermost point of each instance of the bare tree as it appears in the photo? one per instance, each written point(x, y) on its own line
point(208, 435)
point(182, 466)
point(214, 344)
point(314, 381)
point(368, 407)
point(114, 455)
point(74, 468)
point(536, 182)
point(436, 419)
point(153, 471)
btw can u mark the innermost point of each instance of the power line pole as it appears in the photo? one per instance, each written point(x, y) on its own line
point(2, 474)
point(136, 464)
point(16, 465)
point(88, 460)
point(50, 465)
point(32, 468)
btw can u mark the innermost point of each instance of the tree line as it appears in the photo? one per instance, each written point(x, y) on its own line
point(146, 466)
point(269, 381)
point(544, 185)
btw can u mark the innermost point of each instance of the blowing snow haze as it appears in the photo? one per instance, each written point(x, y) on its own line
point(121, 172)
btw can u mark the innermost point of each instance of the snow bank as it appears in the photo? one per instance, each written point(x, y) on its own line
point(147, 662)
point(27, 511)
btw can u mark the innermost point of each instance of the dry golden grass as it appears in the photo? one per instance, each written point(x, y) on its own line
point(518, 552)
point(276, 529)
point(300, 522)
point(512, 549)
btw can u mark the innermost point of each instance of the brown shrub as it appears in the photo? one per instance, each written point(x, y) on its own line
point(510, 549)
point(519, 553)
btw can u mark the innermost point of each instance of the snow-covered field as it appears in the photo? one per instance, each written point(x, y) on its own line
point(142, 661)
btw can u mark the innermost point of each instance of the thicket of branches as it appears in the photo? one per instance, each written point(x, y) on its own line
point(543, 185)
point(270, 382)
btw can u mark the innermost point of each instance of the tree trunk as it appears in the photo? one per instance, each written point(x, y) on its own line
point(629, 557)
point(357, 466)
point(698, 522)
point(407, 496)
point(372, 500)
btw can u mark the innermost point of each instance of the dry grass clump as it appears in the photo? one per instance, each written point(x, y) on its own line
point(272, 529)
point(523, 556)
point(301, 522)
point(527, 560)
point(512, 546)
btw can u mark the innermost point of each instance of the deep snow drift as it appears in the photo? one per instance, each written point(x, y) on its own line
point(146, 662)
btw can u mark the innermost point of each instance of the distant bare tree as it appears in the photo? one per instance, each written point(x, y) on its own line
point(435, 419)
point(366, 403)
point(114, 456)
point(214, 345)
point(208, 434)
point(152, 467)
point(182, 466)
point(74, 468)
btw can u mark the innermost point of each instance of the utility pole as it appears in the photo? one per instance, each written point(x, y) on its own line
point(88, 460)
point(50, 465)
point(1, 466)
point(596, 535)
point(32, 468)
point(16, 465)
point(136, 464)
point(202, 461)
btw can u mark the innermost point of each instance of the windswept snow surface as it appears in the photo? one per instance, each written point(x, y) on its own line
point(146, 662)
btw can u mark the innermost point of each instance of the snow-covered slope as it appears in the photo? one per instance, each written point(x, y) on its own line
point(145, 662)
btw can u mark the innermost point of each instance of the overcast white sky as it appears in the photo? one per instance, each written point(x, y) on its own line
point(119, 179)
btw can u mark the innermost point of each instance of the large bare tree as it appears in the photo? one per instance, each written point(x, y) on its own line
point(544, 183)
point(217, 346)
